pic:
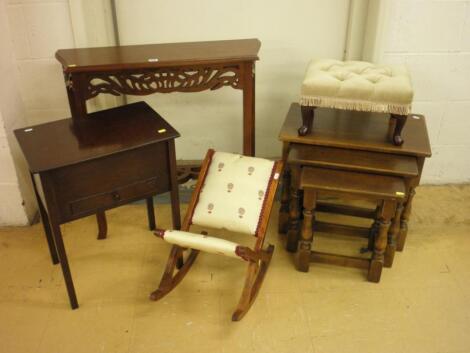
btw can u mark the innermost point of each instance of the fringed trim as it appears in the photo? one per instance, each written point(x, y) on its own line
point(351, 104)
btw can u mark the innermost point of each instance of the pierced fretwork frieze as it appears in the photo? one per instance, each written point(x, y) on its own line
point(164, 80)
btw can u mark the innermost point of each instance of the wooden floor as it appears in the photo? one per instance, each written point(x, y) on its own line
point(422, 304)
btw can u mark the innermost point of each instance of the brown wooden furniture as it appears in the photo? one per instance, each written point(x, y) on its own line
point(356, 141)
point(372, 163)
point(398, 122)
point(114, 157)
point(171, 67)
point(258, 258)
point(386, 191)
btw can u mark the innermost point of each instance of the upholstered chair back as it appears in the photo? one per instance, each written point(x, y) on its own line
point(234, 193)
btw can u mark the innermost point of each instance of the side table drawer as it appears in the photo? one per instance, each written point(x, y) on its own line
point(114, 198)
point(110, 181)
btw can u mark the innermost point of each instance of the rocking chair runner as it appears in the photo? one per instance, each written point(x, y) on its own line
point(233, 192)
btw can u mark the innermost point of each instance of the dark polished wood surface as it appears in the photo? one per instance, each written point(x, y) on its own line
point(383, 187)
point(357, 130)
point(60, 143)
point(167, 54)
point(355, 160)
point(112, 158)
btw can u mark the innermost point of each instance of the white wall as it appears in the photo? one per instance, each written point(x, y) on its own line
point(291, 32)
point(433, 39)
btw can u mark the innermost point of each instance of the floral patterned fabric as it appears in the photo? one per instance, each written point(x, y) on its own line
point(233, 193)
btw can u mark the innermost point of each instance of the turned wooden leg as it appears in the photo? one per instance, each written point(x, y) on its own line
point(294, 211)
point(305, 243)
point(400, 121)
point(307, 120)
point(392, 237)
point(102, 225)
point(374, 229)
point(405, 216)
point(378, 256)
point(284, 209)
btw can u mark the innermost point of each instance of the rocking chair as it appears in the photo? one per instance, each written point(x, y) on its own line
point(236, 193)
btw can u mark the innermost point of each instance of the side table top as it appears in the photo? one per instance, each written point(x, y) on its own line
point(357, 130)
point(158, 55)
point(64, 142)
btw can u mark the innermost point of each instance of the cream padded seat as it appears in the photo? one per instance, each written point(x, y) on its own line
point(201, 242)
point(357, 85)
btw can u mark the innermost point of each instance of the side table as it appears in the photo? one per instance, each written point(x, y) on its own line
point(362, 136)
point(114, 157)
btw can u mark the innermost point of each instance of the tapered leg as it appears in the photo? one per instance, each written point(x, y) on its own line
point(102, 225)
point(249, 109)
point(294, 211)
point(307, 120)
point(64, 264)
point(150, 213)
point(405, 216)
point(400, 121)
point(305, 244)
point(392, 237)
point(46, 224)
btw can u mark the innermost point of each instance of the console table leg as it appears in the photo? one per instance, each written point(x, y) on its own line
point(151, 213)
point(249, 109)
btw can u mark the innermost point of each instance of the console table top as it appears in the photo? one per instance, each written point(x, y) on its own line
point(158, 55)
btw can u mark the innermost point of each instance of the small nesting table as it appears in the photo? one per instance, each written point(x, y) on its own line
point(113, 157)
point(386, 191)
point(350, 141)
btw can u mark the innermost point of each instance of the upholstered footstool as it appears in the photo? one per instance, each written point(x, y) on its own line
point(356, 85)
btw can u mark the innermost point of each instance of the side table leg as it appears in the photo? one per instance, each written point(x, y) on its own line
point(284, 209)
point(405, 216)
point(102, 225)
point(305, 245)
point(249, 109)
point(151, 213)
point(46, 224)
point(294, 212)
point(378, 256)
point(392, 237)
point(174, 194)
point(64, 264)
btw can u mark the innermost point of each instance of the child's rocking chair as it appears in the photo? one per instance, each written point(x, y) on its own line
point(233, 192)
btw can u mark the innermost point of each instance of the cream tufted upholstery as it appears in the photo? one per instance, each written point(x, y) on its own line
point(233, 193)
point(357, 85)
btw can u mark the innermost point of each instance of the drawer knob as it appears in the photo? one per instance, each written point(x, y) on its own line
point(116, 196)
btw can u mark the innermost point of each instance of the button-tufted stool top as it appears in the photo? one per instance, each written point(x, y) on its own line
point(357, 85)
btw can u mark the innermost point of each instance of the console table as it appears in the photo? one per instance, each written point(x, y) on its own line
point(173, 67)
point(103, 162)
